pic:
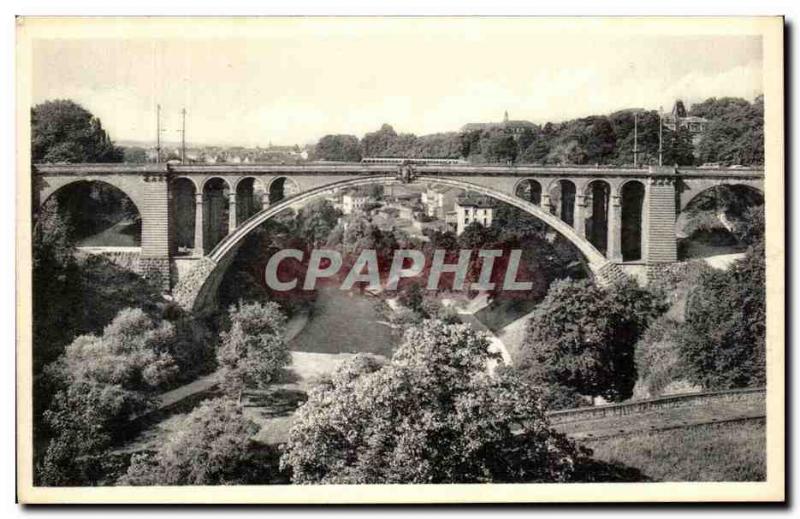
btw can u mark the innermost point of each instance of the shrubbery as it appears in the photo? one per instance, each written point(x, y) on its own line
point(723, 344)
point(658, 361)
point(253, 351)
point(581, 338)
point(433, 414)
point(213, 446)
point(102, 383)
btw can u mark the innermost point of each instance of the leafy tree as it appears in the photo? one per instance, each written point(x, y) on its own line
point(677, 147)
point(433, 414)
point(499, 147)
point(470, 143)
point(581, 338)
point(658, 361)
point(213, 446)
point(342, 148)
point(56, 284)
point(64, 131)
point(104, 382)
point(253, 351)
point(376, 144)
point(750, 229)
point(316, 221)
point(724, 345)
point(134, 154)
point(735, 133)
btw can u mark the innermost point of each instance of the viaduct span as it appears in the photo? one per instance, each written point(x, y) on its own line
point(223, 203)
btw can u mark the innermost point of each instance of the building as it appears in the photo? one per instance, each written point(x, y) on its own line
point(515, 128)
point(470, 209)
point(438, 200)
point(678, 118)
point(353, 202)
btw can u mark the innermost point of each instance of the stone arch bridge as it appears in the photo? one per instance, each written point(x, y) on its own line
point(589, 206)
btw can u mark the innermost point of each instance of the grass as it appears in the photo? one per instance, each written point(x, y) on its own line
point(734, 451)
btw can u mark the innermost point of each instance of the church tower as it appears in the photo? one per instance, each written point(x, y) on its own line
point(505, 117)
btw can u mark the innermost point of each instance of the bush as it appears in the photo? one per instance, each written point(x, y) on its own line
point(212, 447)
point(431, 415)
point(102, 383)
point(724, 344)
point(581, 337)
point(253, 351)
point(657, 356)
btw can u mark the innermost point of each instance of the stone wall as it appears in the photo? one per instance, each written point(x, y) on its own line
point(667, 402)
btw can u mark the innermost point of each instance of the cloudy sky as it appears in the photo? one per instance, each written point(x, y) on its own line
point(293, 81)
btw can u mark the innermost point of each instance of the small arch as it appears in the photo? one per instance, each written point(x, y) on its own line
point(632, 195)
point(281, 188)
point(708, 223)
point(598, 197)
point(204, 182)
point(215, 211)
point(251, 197)
point(100, 214)
point(184, 199)
point(530, 190)
point(562, 200)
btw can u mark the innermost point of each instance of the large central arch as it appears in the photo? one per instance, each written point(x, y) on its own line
point(196, 290)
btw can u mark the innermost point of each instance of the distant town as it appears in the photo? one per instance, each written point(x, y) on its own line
point(720, 132)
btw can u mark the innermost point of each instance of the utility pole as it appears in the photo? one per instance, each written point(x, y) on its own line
point(183, 137)
point(660, 135)
point(158, 134)
point(635, 140)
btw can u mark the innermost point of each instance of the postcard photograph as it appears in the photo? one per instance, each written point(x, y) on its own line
point(400, 260)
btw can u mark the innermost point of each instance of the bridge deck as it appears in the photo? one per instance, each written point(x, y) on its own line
point(357, 168)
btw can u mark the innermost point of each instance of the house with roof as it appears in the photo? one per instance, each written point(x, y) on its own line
point(471, 209)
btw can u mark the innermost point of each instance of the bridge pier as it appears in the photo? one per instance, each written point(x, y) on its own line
point(659, 240)
point(614, 224)
point(231, 211)
point(198, 224)
point(580, 215)
point(157, 234)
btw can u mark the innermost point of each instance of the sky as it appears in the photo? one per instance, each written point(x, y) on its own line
point(291, 82)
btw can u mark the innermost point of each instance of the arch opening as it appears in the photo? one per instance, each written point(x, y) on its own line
point(598, 194)
point(632, 201)
point(184, 200)
point(562, 201)
point(215, 212)
point(250, 198)
point(99, 214)
point(711, 223)
point(529, 190)
point(282, 188)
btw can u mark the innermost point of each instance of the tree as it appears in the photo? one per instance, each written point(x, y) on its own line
point(134, 154)
point(213, 446)
point(580, 340)
point(499, 147)
point(342, 148)
point(253, 351)
point(432, 414)
point(104, 381)
point(316, 221)
point(658, 360)
point(723, 346)
point(735, 133)
point(56, 284)
point(64, 131)
point(376, 144)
